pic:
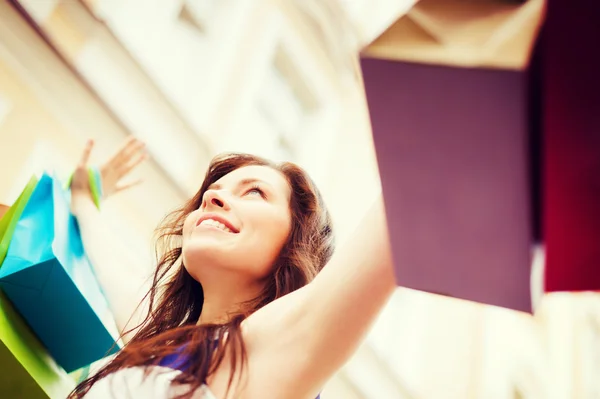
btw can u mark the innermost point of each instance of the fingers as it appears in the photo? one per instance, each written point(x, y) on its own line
point(126, 186)
point(129, 166)
point(130, 148)
point(85, 157)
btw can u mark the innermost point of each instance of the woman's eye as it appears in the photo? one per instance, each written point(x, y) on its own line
point(256, 191)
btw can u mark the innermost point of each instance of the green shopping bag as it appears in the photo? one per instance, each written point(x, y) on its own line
point(11, 217)
point(28, 371)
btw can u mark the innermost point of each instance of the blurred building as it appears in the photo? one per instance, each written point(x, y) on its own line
point(278, 78)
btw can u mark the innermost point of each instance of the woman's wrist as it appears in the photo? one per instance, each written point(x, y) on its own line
point(85, 186)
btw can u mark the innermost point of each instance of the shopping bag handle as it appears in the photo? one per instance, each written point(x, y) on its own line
point(95, 180)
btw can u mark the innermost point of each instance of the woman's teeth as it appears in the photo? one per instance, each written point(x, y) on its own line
point(214, 223)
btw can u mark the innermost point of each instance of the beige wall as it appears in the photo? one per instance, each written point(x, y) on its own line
point(50, 115)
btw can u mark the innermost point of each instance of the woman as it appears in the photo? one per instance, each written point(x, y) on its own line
point(238, 306)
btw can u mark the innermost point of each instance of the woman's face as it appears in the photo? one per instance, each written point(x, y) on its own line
point(241, 226)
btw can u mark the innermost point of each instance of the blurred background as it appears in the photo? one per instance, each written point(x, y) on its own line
point(280, 79)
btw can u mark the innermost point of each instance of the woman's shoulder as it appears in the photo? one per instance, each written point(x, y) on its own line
point(154, 382)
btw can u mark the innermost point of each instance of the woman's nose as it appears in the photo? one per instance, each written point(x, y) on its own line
point(212, 198)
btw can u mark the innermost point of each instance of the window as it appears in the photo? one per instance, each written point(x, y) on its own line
point(285, 103)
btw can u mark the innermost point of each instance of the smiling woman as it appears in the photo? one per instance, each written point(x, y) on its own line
point(253, 201)
point(230, 305)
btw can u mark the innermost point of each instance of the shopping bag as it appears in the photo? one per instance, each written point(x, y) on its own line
point(463, 33)
point(28, 370)
point(571, 155)
point(9, 220)
point(447, 86)
point(48, 278)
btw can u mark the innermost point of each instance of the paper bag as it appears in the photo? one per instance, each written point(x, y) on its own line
point(453, 146)
point(49, 279)
point(11, 216)
point(28, 370)
point(467, 33)
point(571, 153)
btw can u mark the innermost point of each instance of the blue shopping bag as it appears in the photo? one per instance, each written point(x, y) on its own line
point(48, 278)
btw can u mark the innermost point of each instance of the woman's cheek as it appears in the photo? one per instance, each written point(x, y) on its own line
point(188, 223)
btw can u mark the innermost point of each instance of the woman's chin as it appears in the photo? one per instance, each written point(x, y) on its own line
point(204, 256)
point(211, 264)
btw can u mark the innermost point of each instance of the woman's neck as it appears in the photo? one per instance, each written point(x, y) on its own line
point(217, 313)
point(221, 306)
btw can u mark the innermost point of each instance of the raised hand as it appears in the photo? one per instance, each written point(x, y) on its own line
point(130, 155)
point(113, 171)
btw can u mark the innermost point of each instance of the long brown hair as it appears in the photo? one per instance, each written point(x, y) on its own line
point(176, 299)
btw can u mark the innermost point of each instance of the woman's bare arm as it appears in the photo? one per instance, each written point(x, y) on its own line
point(118, 271)
point(312, 332)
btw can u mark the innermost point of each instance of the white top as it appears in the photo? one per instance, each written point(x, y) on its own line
point(130, 383)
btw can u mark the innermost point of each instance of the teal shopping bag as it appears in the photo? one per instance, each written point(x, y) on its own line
point(48, 278)
point(28, 371)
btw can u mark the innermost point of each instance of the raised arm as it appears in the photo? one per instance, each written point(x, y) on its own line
point(312, 332)
point(118, 271)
